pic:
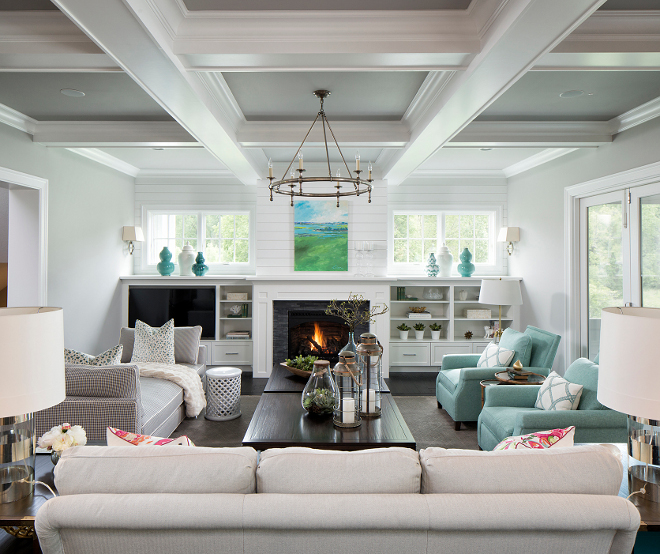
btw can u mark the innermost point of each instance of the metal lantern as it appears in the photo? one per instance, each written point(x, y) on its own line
point(369, 358)
point(347, 379)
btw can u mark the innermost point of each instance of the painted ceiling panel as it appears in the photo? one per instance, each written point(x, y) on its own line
point(474, 158)
point(250, 5)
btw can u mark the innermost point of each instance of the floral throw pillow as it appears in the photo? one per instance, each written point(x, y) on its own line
point(153, 344)
point(117, 437)
point(495, 356)
point(109, 357)
point(557, 438)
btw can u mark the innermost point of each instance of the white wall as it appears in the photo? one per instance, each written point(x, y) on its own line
point(4, 219)
point(88, 205)
point(536, 206)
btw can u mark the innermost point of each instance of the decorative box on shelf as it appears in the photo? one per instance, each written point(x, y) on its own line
point(477, 314)
point(237, 296)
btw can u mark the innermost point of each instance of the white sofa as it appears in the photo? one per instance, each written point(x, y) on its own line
point(299, 500)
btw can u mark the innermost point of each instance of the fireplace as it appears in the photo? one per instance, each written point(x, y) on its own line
point(303, 328)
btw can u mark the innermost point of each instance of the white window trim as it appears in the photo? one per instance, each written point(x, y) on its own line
point(233, 268)
point(498, 268)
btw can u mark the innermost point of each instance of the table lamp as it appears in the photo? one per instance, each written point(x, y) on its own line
point(501, 292)
point(629, 382)
point(32, 377)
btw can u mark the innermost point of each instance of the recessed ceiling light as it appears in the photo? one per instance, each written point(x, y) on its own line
point(571, 94)
point(485, 149)
point(72, 92)
point(159, 148)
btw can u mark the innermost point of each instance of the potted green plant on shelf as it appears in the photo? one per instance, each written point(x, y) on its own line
point(419, 330)
point(403, 331)
point(435, 331)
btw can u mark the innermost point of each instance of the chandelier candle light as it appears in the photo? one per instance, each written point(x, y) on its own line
point(294, 186)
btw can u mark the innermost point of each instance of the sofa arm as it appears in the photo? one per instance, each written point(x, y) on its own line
point(556, 419)
point(116, 381)
point(514, 396)
point(202, 355)
point(457, 361)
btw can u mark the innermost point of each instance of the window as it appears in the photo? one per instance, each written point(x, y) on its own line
point(223, 237)
point(417, 234)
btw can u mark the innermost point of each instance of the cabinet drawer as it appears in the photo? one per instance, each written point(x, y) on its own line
point(439, 350)
point(236, 352)
point(409, 354)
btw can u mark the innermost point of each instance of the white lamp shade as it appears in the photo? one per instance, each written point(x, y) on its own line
point(31, 360)
point(509, 234)
point(132, 233)
point(629, 372)
point(500, 292)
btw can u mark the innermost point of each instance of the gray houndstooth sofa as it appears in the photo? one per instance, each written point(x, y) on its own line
point(116, 396)
point(183, 499)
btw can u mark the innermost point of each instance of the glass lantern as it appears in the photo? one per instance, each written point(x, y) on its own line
point(320, 393)
point(369, 358)
point(347, 379)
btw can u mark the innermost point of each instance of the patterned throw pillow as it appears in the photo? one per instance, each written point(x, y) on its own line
point(495, 356)
point(556, 393)
point(109, 357)
point(153, 344)
point(558, 438)
point(117, 437)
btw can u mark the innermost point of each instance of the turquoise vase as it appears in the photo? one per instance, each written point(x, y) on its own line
point(432, 267)
point(199, 267)
point(466, 267)
point(165, 267)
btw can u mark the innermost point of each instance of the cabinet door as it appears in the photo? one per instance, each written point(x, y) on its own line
point(409, 354)
point(438, 351)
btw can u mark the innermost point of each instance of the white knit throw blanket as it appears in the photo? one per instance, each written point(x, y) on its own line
point(186, 377)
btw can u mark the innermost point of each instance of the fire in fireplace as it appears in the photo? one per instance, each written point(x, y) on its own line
point(320, 338)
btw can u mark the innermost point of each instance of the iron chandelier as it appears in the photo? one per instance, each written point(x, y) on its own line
point(293, 186)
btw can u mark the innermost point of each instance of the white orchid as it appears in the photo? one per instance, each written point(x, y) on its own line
point(63, 436)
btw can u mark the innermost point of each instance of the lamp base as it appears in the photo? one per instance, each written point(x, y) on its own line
point(17, 449)
point(644, 461)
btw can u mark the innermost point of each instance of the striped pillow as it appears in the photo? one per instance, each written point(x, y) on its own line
point(109, 357)
point(153, 344)
point(186, 344)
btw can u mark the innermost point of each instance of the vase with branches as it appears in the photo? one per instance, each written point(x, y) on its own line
point(354, 312)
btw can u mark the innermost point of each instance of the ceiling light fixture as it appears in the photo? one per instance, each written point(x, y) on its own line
point(293, 186)
point(72, 92)
point(571, 94)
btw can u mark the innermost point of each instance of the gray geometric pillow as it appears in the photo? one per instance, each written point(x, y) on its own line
point(556, 393)
point(109, 357)
point(153, 344)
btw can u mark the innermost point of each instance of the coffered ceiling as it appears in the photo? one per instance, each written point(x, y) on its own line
point(422, 87)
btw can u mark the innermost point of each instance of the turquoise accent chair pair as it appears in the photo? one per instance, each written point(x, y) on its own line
point(509, 411)
point(457, 386)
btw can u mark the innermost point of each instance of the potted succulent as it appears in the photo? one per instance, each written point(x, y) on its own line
point(419, 330)
point(403, 331)
point(435, 331)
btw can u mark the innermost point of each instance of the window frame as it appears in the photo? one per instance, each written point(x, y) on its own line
point(217, 268)
point(494, 211)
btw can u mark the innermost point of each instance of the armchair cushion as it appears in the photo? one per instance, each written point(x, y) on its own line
point(585, 373)
point(456, 361)
point(449, 379)
point(520, 343)
point(545, 347)
point(494, 355)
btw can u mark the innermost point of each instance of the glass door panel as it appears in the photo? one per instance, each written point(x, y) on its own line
point(645, 245)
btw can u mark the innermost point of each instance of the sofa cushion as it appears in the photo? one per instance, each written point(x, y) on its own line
point(186, 344)
point(554, 438)
point(450, 378)
point(159, 399)
point(587, 469)
point(520, 343)
point(495, 356)
point(556, 393)
point(130, 470)
point(109, 357)
point(309, 471)
point(153, 344)
point(584, 372)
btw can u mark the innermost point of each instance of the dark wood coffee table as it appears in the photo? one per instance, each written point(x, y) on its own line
point(282, 380)
point(280, 421)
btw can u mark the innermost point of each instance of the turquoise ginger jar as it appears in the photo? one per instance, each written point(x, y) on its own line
point(432, 267)
point(199, 267)
point(466, 267)
point(165, 266)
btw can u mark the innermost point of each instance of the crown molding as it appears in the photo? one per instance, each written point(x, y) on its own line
point(536, 160)
point(636, 116)
point(223, 98)
point(457, 173)
point(185, 177)
point(17, 120)
point(428, 93)
point(106, 159)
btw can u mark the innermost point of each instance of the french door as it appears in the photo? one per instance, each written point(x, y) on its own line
point(619, 256)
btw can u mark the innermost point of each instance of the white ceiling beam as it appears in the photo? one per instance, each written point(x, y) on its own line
point(107, 160)
point(149, 65)
point(537, 24)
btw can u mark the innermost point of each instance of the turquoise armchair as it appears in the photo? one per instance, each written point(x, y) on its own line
point(509, 411)
point(457, 387)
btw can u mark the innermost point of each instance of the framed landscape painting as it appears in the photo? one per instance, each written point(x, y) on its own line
point(320, 236)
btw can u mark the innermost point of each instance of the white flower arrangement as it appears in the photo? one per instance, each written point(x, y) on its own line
point(63, 436)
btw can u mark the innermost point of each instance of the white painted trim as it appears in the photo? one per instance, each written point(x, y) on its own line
point(183, 176)
point(223, 97)
point(106, 159)
point(15, 119)
point(636, 116)
point(536, 160)
point(457, 173)
point(427, 94)
point(41, 185)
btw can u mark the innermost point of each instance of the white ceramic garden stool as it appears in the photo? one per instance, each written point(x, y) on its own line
point(223, 393)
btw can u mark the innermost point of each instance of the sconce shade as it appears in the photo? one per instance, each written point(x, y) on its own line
point(132, 234)
point(509, 234)
point(629, 375)
point(502, 292)
point(31, 360)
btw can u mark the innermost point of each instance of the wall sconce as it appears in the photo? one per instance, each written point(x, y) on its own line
point(130, 235)
point(510, 235)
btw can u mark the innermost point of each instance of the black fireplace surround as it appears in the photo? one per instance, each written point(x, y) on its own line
point(294, 328)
